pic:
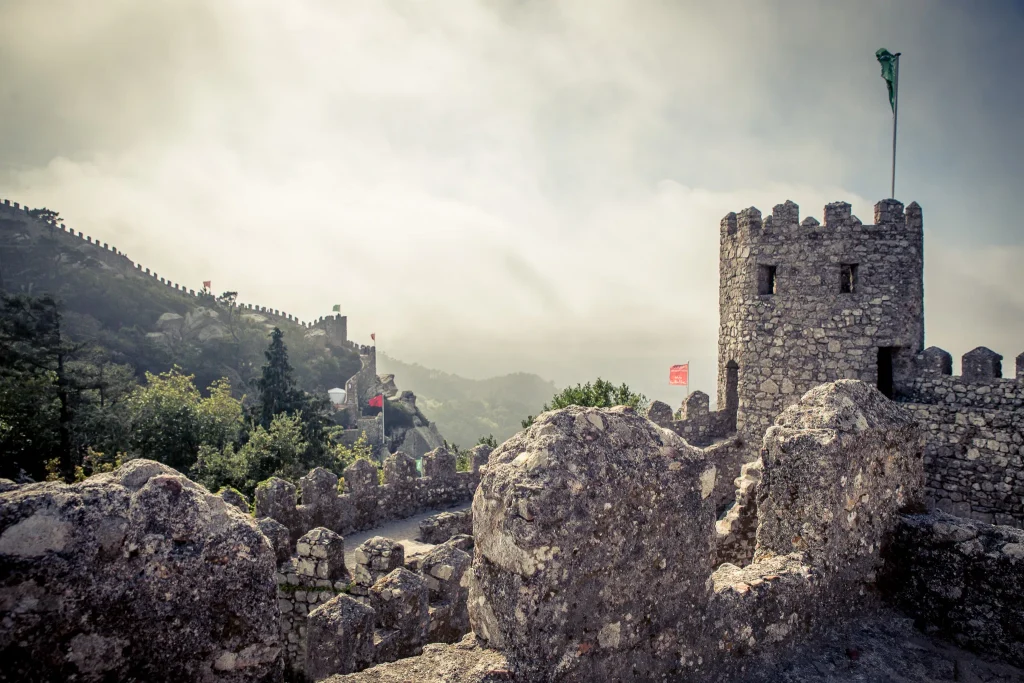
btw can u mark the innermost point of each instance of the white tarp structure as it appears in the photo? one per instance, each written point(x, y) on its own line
point(338, 396)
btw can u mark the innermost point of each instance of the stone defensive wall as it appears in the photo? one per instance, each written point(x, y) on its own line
point(839, 468)
point(118, 260)
point(974, 432)
point(841, 539)
point(367, 502)
point(396, 604)
point(696, 422)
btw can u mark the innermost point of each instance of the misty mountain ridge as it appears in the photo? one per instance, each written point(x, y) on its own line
point(467, 409)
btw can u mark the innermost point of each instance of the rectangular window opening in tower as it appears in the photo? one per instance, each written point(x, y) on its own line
point(766, 279)
point(848, 278)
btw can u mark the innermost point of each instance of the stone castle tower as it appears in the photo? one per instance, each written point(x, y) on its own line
point(802, 303)
point(337, 330)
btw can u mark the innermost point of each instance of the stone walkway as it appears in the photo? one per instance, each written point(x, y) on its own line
point(404, 531)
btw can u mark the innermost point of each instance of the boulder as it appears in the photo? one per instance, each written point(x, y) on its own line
point(419, 441)
point(235, 497)
point(139, 574)
point(402, 601)
point(838, 468)
point(593, 536)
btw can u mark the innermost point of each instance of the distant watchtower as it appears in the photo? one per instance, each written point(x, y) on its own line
point(337, 330)
point(803, 303)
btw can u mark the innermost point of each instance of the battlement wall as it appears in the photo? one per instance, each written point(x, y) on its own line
point(695, 421)
point(335, 326)
point(973, 432)
point(391, 604)
point(928, 378)
point(367, 503)
point(891, 221)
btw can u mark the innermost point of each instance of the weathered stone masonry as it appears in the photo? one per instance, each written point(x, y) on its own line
point(366, 503)
point(974, 433)
point(790, 322)
point(802, 303)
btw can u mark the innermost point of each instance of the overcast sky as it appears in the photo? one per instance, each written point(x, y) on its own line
point(499, 186)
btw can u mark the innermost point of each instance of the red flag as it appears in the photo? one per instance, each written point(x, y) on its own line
point(377, 401)
point(206, 284)
point(679, 374)
point(373, 336)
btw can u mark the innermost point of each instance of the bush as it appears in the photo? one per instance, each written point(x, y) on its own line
point(600, 394)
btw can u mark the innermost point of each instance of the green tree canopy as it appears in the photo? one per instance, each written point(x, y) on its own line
point(57, 398)
point(170, 420)
point(600, 394)
point(277, 392)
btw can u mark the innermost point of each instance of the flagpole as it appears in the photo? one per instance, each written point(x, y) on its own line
point(895, 111)
point(383, 431)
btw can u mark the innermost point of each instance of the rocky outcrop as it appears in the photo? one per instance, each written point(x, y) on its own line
point(139, 574)
point(387, 385)
point(418, 441)
point(199, 324)
point(464, 662)
point(592, 533)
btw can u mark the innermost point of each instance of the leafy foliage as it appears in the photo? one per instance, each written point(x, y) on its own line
point(57, 397)
point(488, 440)
point(170, 419)
point(600, 394)
point(279, 451)
point(346, 455)
point(463, 458)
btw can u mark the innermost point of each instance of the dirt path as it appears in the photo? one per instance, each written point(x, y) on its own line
point(404, 531)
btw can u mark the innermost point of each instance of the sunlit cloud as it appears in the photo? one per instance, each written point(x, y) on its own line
point(508, 186)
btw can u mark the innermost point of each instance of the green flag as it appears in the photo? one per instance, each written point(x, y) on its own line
point(888, 62)
point(337, 308)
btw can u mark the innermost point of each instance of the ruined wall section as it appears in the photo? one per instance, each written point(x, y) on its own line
point(380, 581)
point(974, 433)
point(961, 580)
point(785, 324)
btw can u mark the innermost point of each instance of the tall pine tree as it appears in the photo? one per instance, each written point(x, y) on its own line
point(278, 393)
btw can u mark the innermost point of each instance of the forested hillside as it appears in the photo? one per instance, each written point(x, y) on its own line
point(104, 300)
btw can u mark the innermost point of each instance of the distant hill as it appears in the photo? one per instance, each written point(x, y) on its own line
point(149, 323)
point(466, 409)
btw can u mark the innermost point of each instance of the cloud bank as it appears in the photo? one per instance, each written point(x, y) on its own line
point(513, 186)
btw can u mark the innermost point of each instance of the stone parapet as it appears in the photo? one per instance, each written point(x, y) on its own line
point(365, 504)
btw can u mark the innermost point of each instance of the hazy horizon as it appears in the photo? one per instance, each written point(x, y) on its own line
point(497, 187)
